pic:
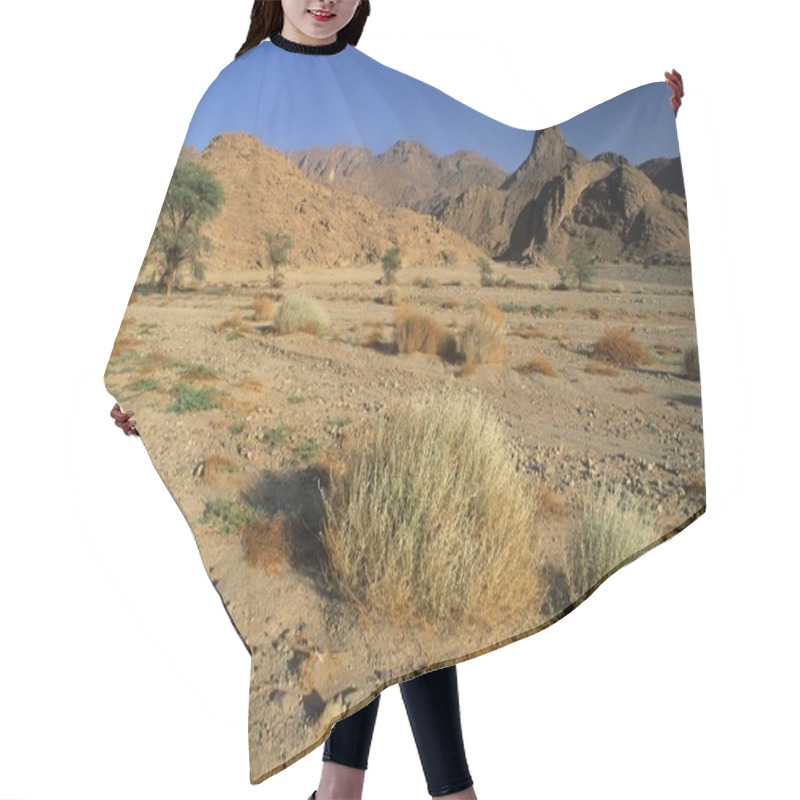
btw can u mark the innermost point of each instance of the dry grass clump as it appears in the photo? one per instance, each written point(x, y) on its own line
point(551, 502)
point(265, 543)
point(483, 341)
point(430, 520)
point(691, 363)
point(531, 332)
point(235, 324)
point(620, 348)
point(263, 307)
point(537, 363)
point(416, 332)
point(375, 335)
point(298, 312)
point(595, 367)
point(611, 525)
point(392, 296)
point(215, 463)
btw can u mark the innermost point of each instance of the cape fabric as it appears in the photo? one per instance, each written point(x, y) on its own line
point(419, 381)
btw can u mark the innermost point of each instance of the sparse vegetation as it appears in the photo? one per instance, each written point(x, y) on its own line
point(144, 385)
point(308, 449)
point(530, 332)
point(188, 398)
point(392, 296)
point(537, 363)
point(391, 262)
point(595, 367)
point(229, 515)
point(215, 463)
point(276, 435)
point(194, 196)
point(483, 341)
point(263, 307)
point(235, 326)
point(416, 332)
point(301, 313)
point(612, 524)
point(485, 267)
point(276, 253)
point(535, 309)
point(580, 266)
point(620, 348)
point(429, 519)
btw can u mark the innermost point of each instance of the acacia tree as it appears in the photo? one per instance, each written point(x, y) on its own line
point(278, 245)
point(391, 262)
point(194, 196)
point(581, 260)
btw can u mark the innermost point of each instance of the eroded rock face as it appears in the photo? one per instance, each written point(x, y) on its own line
point(529, 214)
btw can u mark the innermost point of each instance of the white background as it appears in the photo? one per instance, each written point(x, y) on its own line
point(120, 673)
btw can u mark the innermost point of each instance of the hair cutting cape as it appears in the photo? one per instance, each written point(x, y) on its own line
point(418, 380)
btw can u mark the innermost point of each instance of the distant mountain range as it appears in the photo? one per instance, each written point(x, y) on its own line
point(445, 209)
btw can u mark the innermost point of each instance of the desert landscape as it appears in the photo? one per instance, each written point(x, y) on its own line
point(412, 408)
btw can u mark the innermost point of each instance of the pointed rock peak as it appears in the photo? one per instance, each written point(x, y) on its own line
point(549, 144)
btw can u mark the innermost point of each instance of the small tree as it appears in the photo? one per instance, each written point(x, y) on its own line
point(278, 245)
point(485, 266)
point(391, 263)
point(193, 196)
point(581, 262)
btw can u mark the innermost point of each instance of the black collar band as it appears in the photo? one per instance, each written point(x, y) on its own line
point(311, 49)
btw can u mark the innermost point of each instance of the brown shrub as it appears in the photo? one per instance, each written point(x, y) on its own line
point(416, 332)
point(483, 341)
point(595, 367)
point(620, 348)
point(537, 363)
point(263, 307)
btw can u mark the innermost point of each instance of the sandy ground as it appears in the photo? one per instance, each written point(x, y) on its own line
point(313, 658)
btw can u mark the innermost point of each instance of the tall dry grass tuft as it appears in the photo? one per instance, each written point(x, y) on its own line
point(235, 324)
point(416, 332)
point(537, 363)
point(263, 308)
point(483, 341)
point(620, 348)
point(298, 312)
point(611, 525)
point(429, 521)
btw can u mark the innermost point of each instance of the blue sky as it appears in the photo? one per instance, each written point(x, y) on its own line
point(349, 97)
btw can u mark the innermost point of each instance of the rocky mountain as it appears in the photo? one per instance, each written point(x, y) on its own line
point(264, 191)
point(408, 174)
point(623, 211)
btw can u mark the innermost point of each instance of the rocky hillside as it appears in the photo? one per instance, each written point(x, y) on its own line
point(264, 191)
point(623, 211)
